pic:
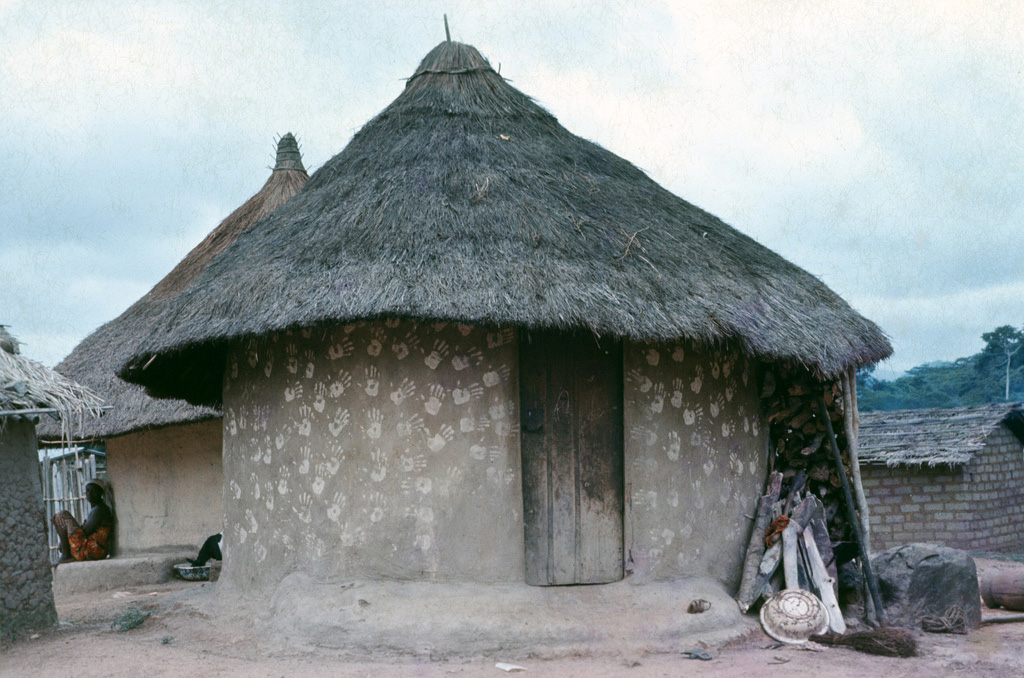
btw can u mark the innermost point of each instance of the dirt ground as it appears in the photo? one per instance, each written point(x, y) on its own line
point(176, 639)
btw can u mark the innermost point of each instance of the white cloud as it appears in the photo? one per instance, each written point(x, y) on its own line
point(943, 326)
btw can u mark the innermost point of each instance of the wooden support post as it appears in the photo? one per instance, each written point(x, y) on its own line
point(79, 487)
point(851, 425)
point(849, 381)
point(876, 597)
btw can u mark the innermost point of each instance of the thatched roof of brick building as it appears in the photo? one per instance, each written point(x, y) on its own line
point(94, 361)
point(464, 200)
point(934, 437)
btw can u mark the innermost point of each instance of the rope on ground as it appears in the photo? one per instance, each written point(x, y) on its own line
point(953, 621)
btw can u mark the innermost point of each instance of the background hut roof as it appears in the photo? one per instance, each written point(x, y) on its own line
point(464, 200)
point(94, 361)
point(932, 437)
point(8, 342)
point(28, 385)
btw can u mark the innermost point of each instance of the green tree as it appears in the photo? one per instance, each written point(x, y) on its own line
point(993, 374)
point(1001, 344)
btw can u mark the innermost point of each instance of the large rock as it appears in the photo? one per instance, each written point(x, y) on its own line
point(923, 579)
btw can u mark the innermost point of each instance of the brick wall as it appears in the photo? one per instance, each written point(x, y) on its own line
point(997, 494)
point(979, 506)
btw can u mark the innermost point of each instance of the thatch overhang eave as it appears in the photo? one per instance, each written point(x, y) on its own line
point(28, 385)
point(952, 462)
point(118, 429)
point(339, 296)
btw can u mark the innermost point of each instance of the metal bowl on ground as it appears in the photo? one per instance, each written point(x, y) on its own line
point(192, 572)
point(793, 616)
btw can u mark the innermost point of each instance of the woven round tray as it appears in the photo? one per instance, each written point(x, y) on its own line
point(793, 616)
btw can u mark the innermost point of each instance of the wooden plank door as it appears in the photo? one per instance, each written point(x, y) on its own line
point(570, 390)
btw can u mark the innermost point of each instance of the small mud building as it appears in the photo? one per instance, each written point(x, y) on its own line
point(478, 348)
point(28, 390)
point(164, 456)
point(945, 476)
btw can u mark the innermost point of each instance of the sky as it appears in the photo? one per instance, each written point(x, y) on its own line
point(878, 145)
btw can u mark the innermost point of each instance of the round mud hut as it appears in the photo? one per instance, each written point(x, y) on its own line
point(478, 348)
point(27, 391)
point(164, 455)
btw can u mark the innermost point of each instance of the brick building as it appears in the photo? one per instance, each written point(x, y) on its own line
point(953, 477)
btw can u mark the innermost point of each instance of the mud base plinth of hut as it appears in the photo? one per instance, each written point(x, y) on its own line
point(447, 620)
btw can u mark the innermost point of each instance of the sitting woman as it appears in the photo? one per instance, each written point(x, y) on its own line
point(92, 540)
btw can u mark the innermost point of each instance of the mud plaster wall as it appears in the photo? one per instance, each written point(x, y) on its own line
point(695, 460)
point(26, 596)
point(373, 450)
point(167, 485)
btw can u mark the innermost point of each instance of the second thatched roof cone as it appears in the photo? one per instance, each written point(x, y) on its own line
point(94, 361)
point(465, 200)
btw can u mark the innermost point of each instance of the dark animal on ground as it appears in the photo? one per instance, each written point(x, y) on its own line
point(210, 550)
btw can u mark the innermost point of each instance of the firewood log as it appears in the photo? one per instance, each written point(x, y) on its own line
point(790, 564)
point(755, 547)
point(821, 580)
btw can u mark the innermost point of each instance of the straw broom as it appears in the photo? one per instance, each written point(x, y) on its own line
point(885, 641)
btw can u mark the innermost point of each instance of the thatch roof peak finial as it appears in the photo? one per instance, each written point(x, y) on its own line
point(447, 33)
point(452, 58)
point(288, 156)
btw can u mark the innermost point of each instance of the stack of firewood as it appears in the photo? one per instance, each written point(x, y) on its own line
point(799, 441)
point(790, 549)
point(803, 514)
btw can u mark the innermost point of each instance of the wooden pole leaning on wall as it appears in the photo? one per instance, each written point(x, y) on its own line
point(876, 597)
point(47, 485)
point(850, 424)
point(817, 572)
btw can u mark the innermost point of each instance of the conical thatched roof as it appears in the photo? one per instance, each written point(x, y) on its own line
point(95, 360)
point(465, 200)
